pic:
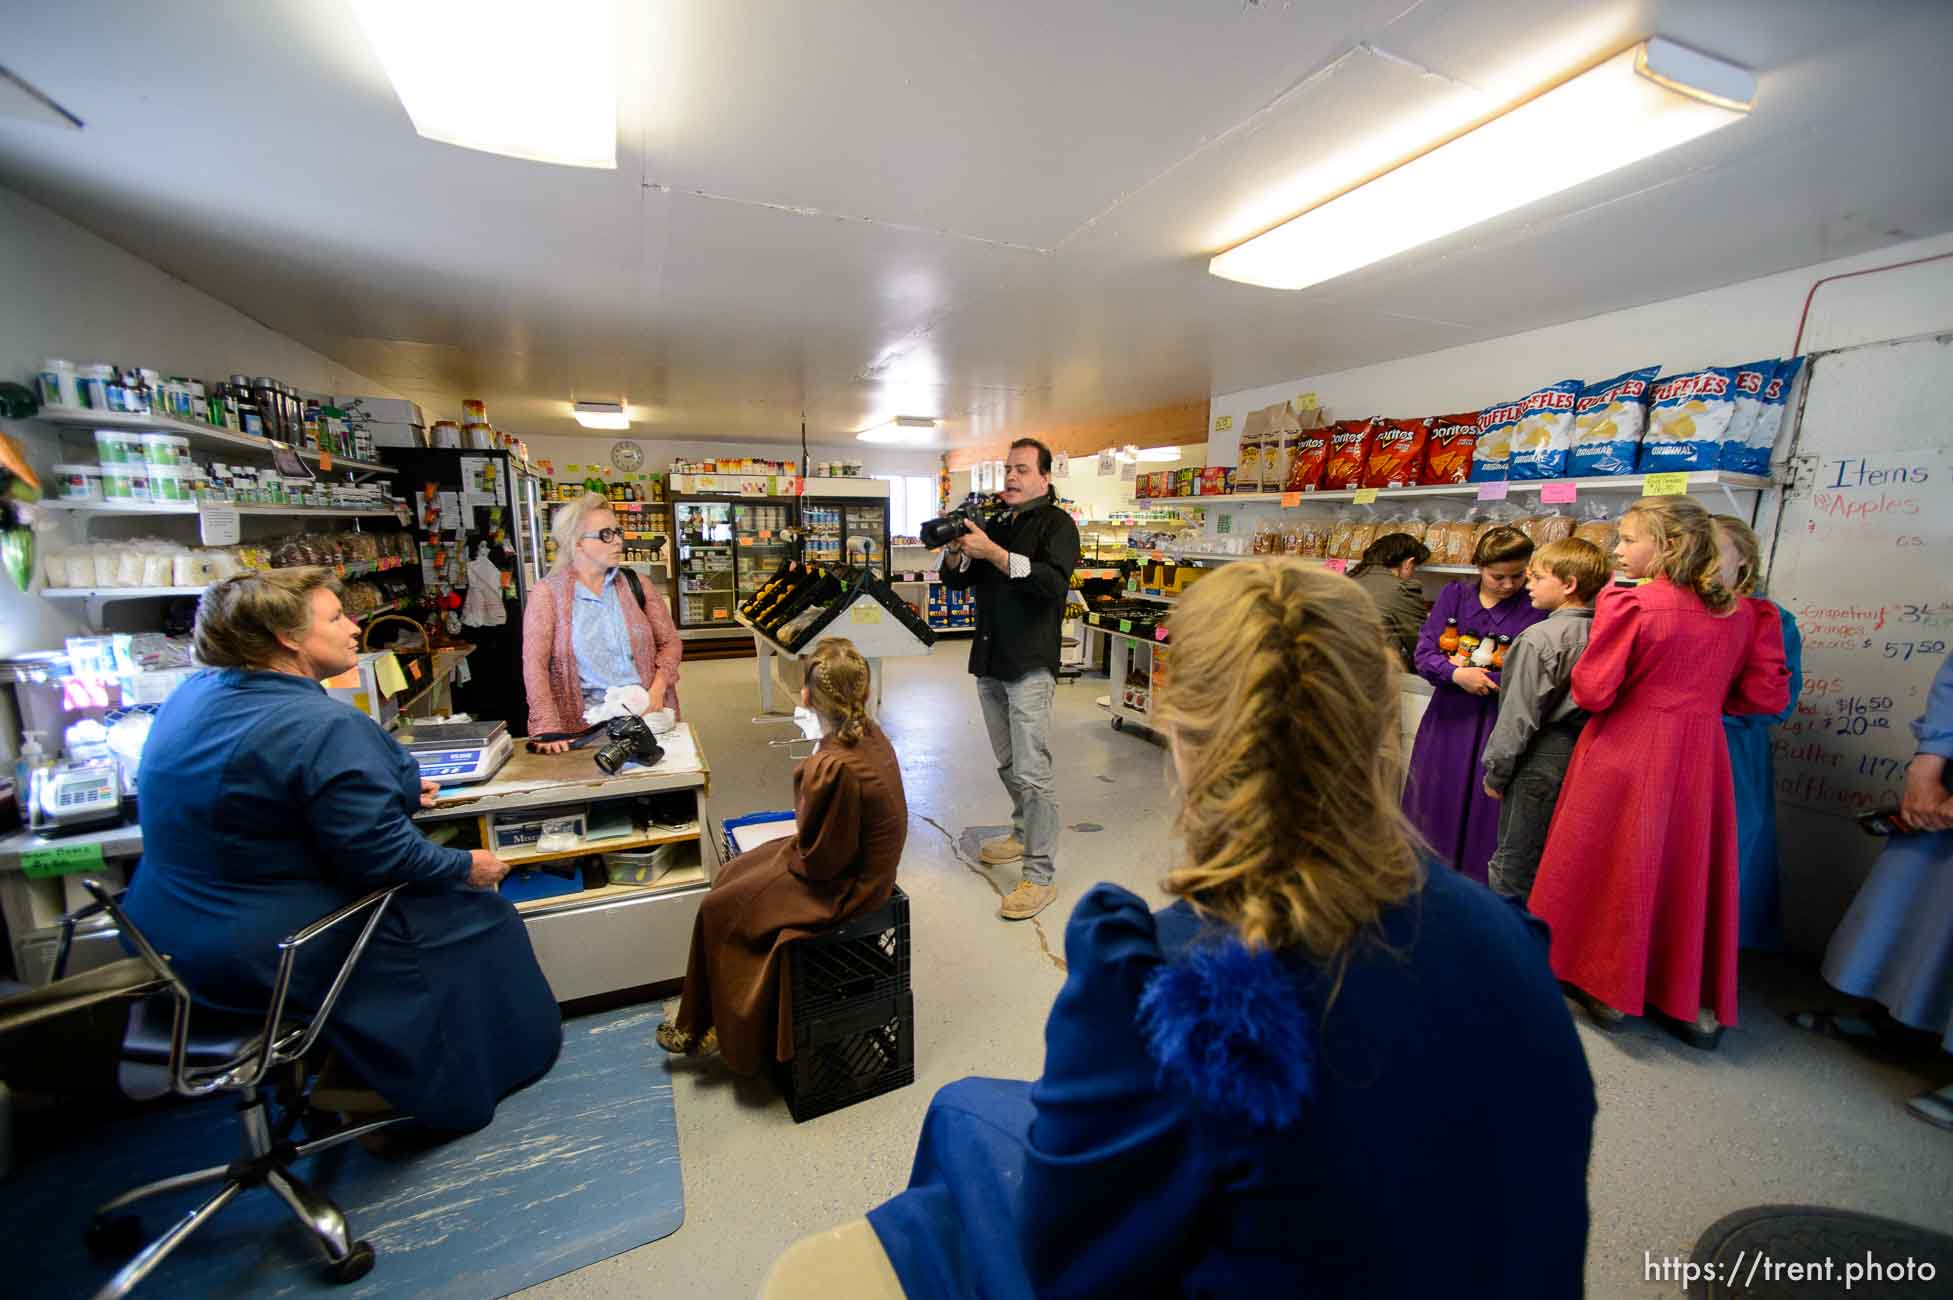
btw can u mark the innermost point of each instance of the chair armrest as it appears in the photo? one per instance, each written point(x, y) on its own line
point(375, 906)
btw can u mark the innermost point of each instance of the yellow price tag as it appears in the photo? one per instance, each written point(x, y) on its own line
point(1365, 496)
point(1665, 485)
point(1222, 423)
point(866, 613)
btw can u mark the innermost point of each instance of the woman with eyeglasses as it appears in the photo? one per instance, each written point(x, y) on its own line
point(589, 628)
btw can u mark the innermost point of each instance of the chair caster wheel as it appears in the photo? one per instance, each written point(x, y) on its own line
point(1118, 723)
point(357, 1264)
point(117, 1236)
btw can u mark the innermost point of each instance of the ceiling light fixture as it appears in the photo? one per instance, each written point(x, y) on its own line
point(914, 429)
point(504, 76)
point(1644, 100)
point(602, 415)
point(1158, 454)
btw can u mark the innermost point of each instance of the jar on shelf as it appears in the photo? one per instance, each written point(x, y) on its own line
point(79, 482)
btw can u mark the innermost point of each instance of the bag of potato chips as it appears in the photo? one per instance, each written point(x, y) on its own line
point(1608, 422)
point(1448, 449)
point(1309, 452)
point(1770, 412)
point(1688, 421)
point(1492, 457)
point(1397, 454)
point(1751, 380)
point(1349, 451)
point(1544, 431)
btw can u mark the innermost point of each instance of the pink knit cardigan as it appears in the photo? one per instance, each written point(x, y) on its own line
point(549, 658)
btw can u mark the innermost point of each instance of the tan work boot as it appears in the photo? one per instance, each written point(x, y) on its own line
point(1005, 848)
point(1026, 901)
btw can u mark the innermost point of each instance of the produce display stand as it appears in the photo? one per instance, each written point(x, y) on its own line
point(864, 620)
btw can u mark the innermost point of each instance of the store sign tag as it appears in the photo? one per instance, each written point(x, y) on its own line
point(60, 860)
point(218, 525)
point(1493, 491)
point(1365, 496)
point(1563, 493)
point(1159, 633)
point(755, 487)
point(1336, 566)
point(1222, 423)
point(1291, 499)
point(1665, 485)
point(865, 613)
point(1125, 625)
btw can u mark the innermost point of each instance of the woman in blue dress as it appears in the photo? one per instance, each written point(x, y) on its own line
point(1759, 893)
point(1303, 1076)
point(266, 804)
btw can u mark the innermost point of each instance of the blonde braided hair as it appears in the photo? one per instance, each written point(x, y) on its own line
point(1281, 702)
point(837, 688)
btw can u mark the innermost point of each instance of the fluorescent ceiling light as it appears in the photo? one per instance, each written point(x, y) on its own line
point(1642, 101)
point(1158, 453)
point(602, 415)
point(916, 430)
point(514, 77)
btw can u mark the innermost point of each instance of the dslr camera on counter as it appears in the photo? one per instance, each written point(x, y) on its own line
point(980, 508)
point(628, 739)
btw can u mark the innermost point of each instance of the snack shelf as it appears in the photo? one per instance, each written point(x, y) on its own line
point(193, 507)
point(199, 434)
point(1613, 483)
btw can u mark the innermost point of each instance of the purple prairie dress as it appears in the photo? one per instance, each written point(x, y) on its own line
point(1445, 797)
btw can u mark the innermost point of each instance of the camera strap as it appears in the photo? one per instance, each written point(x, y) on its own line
point(580, 738)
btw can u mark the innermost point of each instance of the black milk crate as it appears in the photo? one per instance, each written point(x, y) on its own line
point(857, 1053)
point(866, 958)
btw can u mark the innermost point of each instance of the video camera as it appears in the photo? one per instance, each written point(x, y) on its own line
point(980, 508)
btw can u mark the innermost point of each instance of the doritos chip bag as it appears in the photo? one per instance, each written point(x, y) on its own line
point(1396, 453)
point(1311, 455)
point(1448, 449)
point(1492, 457)
point(1608, 422)
point(1349, 451)
point(1737, 452)
point(1544, 431)
point(1688, 421)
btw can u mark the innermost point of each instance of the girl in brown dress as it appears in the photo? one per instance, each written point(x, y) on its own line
point(850, 821)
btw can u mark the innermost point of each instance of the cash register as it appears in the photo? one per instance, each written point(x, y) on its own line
point(459, 753)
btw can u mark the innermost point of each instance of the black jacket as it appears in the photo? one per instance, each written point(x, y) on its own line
point(1018, 620)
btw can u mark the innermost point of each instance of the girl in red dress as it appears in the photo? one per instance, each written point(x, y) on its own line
point(1639, 879)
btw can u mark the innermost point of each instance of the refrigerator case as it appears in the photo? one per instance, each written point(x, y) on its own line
point(705, 545)
point(760, 543)
point(498, 503)
point(846, 530)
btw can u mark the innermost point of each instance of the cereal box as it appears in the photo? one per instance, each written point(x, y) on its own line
point(1608, 422)
point(1688, 421)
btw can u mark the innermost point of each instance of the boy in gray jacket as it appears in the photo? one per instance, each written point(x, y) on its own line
point(1526, 755)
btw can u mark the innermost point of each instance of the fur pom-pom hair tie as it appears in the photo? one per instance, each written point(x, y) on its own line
point(1225, 1022)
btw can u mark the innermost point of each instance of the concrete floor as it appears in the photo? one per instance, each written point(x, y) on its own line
point(1682, 1139)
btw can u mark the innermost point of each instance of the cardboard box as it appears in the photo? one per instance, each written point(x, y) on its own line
point(558, 829)
point(1213, 480)
point(361, 687)
point(387, 434)
point(386, 410)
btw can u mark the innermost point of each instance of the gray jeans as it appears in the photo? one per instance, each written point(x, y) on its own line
point(1018, 716)
point(1526, 812)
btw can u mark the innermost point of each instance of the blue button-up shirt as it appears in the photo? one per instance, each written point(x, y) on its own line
point(598, 636)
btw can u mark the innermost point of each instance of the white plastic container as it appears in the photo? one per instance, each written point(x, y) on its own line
point(115, 447)
point(169, 483)
point(57, 383)
point(166, 448)
point(91, 386)
point(126, 483)
point(79, 482)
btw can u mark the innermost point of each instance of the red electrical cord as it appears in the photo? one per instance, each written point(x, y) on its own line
point(1803, 317)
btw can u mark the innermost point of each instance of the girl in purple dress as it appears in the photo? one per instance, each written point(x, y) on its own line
point(1444, 797)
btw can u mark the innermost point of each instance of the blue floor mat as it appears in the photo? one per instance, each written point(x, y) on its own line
point(581, 1166)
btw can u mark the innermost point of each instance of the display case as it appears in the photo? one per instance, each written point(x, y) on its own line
point(705, 542)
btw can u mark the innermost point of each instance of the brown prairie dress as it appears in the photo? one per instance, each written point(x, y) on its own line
point(850, 821)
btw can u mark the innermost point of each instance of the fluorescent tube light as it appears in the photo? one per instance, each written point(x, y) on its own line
point(914, 430)
point(513, 77)
point(1639, 103)
point(602, 415)
point(1158, 453)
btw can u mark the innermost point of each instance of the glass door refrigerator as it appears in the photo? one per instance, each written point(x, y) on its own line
point(705, 543)
point(760, 543)
point(846, 520)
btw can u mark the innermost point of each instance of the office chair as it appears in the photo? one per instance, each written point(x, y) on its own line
point(221, 1051)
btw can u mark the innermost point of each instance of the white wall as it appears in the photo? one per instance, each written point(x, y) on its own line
point(1727, 326)
point(78, 297)
point(660, 452)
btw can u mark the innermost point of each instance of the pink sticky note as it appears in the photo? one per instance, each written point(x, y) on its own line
point(1494, 491)
point(1336, 566)
point(1561, 493)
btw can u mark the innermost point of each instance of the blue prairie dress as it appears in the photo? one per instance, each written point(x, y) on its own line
point(1214, 1121)
point(265, 805)
point(1759, 905)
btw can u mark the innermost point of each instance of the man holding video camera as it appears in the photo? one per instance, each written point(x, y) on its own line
point(1020, 570)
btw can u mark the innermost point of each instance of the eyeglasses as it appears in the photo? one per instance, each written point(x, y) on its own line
point(602, 535)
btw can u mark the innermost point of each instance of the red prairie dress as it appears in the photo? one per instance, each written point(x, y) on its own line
point(1639, 879)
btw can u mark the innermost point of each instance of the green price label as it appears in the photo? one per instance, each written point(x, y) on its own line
point(61, 860)
point(1125, 625)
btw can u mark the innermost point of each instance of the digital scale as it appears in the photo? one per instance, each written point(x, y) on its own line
point(70, 796)
point(459, 753)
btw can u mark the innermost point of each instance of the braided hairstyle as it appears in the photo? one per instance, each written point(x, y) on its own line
point(1741, 539)
point(1281, 705)
point(837, 688)
point(1685, 548)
